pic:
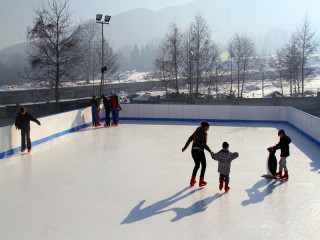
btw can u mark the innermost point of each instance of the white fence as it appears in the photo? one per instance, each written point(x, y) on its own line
point(60, 124)
point(209, 112)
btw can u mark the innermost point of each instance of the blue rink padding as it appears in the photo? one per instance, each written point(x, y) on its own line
point(300, 121)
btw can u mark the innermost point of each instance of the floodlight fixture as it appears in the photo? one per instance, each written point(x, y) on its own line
point(107, 18)
point(98, 17)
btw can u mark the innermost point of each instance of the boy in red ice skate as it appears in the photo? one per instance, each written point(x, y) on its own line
point(224, 158)
point(285, 152)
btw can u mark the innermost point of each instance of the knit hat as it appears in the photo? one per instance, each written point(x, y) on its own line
point(281, 131)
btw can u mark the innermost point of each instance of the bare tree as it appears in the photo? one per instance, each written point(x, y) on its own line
point(262, 63)
point(277, 64)
point(172, 45)
point(230, 65)
point(187, 61)
point(91, 53)
point(307, 46)
point(202, 46)
point(292, 64)
point(216, 70)
point(89, 49)
point(162, 66)
point(243, 50)
point(54, 57)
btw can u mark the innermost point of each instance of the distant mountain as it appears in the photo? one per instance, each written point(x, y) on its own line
point(12, 61)
point(268, 22)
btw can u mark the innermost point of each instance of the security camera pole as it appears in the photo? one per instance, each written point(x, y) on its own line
point(103, 68)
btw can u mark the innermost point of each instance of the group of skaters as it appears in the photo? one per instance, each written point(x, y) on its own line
point(111, 104)
point(225, 157)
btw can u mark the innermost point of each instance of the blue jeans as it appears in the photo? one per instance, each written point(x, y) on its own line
point(115, 116)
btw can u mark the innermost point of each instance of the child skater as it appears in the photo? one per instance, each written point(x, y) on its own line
point(199, 139)
point(224, 158)
point(284, 146)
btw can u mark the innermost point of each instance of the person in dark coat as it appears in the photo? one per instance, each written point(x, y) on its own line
point(94, 110)
point(23, 122)
point(199, 139)
point(283, 145)
point(114, 103)
point(107, 106)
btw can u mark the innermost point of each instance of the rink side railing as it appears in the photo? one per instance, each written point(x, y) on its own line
point(60, 124)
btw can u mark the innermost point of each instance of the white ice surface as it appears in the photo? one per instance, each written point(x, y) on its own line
point(131, 182)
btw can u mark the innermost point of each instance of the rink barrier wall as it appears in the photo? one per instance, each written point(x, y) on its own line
point(51, 127)
point(60, 124)
point(306, 124)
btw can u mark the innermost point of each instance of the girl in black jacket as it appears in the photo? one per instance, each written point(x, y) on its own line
point(199, 138)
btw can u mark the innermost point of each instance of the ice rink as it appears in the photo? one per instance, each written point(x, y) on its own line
point(132, 182)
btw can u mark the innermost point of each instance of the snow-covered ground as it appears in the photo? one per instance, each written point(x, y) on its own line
point(252, 89)
point(132, 182)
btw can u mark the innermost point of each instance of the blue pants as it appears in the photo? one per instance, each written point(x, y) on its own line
point(115, 116)
point(94, 115)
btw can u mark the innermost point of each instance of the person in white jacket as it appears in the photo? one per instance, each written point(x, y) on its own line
point(224, 158)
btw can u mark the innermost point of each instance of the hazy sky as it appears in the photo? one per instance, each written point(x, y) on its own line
point(15, 15)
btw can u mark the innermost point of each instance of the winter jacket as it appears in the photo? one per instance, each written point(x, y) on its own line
point(94, 104)
point(199, 138)
point(224, 158)
point(106, 103)
point(23, 122)
point(284, 146)
point(114, 102)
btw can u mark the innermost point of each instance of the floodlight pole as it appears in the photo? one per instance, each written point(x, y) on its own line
point(102, 57)
point(102, 22)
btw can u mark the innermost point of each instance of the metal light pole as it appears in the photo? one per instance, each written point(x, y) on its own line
point(103, 68)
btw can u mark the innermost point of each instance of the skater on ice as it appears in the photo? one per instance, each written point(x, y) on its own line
point(107, 107)
point(199, 139)
point(94, 110)
point(283, 145)
point(224, 158)
point(114, 102)
point(23, 122)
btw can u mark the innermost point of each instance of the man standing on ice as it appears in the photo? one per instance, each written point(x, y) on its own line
point(23, 122)
point(199, 138)
point(114, 102)
point(107, 106)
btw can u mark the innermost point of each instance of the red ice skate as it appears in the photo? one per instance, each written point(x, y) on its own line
point(221, 184)
point(202, 182)
point(22, 150)
point(226, 187)
point(193, 181)
point(107, 125)
point(285, 176)
point(279, 174)
point(29, 150)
